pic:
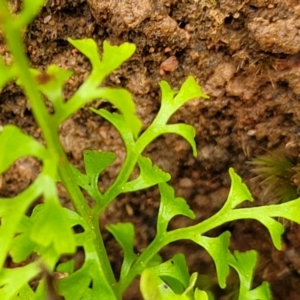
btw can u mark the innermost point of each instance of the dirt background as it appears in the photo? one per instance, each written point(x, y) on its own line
point(245, 55)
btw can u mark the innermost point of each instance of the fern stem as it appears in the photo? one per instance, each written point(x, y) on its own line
point(50, 133)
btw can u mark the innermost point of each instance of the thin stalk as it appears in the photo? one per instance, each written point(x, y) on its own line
point(166, 238)
point(115, 189)
point(127, 168)
point(50, 134)
point(154, 247)
point(101, 252)
point(39, 110)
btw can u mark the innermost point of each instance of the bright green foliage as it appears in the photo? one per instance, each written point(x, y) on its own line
point(124, 234)
point(36, 240)
point(30, 9)
point(149, 175)
point(170, 280)
point(95, 162)
point(7, 74)
point(170, 207)
point(244, 264)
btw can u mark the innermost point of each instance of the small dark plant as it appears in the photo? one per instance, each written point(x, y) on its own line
point(278, 174)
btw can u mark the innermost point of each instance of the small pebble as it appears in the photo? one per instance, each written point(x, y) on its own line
point(47, 19)
point(169, 65)
point(251, 132)
point(186, 183)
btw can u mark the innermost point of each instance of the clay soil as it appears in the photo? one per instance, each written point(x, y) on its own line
point(246, 56)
